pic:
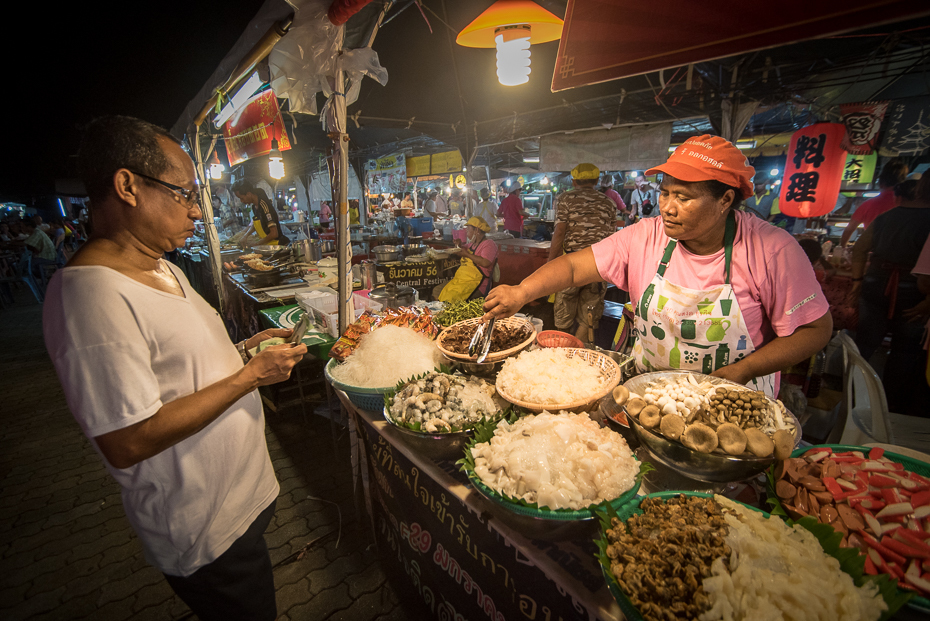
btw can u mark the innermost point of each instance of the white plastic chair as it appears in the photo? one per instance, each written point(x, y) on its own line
point(864, 415)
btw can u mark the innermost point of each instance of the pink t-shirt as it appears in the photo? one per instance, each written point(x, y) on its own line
point(510, 211)
point(487, 249)
point(771, 276)
point(616, 198)
point(873, 208)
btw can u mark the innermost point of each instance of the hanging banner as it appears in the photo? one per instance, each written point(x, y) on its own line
point(418, 166)
point(387, 175)
point(249, 133)
point(813, 171)
point(859, 169)
point(448, 162)
point(620, 148)
point(862, 121)
point(908, 126)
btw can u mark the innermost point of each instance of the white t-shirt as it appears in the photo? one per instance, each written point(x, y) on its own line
point(122, 350)
point(437, 205)
point(637, 198)
point(487, 210)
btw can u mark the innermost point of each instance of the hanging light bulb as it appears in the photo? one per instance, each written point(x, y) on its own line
point(511, 26)
point(545, 180)
point(275, 161)
point(216, 166)
point(513, 55)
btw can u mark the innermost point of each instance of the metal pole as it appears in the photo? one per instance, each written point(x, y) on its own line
point(340, 195)
point(206, 202)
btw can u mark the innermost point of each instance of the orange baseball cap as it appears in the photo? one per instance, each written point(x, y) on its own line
point(709, 157)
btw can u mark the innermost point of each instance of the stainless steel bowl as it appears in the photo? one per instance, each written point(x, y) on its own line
point(410, 250)
point(606, 412)
point(709, 467)
point(387, 253)
point(433, 445)
point(483, 369)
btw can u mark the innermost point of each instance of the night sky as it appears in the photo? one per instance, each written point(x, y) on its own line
point(144, 59)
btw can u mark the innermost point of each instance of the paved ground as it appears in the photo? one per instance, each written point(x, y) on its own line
point(68, 552)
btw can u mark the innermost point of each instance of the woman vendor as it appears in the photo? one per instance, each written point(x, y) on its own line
point(265, 222)
point(473, 277)
point(719, 291)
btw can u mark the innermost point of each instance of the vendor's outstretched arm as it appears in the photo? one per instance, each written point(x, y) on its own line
point(569, 270)
point(178, 420)
point(781, 352)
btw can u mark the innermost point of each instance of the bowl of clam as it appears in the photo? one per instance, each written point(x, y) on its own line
point(707, 428)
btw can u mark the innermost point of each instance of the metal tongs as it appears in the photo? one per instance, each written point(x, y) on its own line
point(481, 341)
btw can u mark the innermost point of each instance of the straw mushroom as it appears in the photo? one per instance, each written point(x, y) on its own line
point(672, 426)
point(784, 443)
point(732, 438)
point(758, 443)
point(699, 437)
point(634, 406)
point(650, 416)
point(621, 394)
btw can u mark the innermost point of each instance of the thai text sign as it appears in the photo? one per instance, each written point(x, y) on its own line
point(813, 171)
point(418, 166)
point(442, 163)
point(250, 132)
point(387, 174)
point(427, 274)
point(446, 555)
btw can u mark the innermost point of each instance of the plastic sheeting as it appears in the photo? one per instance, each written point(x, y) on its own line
point(321, 190)
point(303, 62)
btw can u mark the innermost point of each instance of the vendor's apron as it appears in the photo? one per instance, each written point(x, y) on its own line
point(691, 329)
point(261, 232)
point(468, 277)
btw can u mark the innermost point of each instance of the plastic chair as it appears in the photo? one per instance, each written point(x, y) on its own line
point(863, 416)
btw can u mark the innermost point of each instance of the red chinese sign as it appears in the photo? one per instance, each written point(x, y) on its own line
point(249, 132)
point(813, 171)
point(862, 120)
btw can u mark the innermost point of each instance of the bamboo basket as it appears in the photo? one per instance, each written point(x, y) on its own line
point(595, 358)
point(514, 322)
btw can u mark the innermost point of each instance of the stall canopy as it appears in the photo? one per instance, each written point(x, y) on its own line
point(604, 41)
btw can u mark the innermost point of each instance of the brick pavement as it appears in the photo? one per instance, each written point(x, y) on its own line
point(68, 552)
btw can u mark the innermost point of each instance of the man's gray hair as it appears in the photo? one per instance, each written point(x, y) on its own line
point(114, 142)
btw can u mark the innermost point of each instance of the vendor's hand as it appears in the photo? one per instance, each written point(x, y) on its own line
point(918, 313)
point(503, 301)
point(735, 373)
point(274, 364)
point(271, 333)
point(852, 296)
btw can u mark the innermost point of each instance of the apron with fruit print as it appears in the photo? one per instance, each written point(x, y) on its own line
point(691, 329)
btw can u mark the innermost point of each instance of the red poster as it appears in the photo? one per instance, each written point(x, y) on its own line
point(862, 120)
point(813, 171)
point(249, 132)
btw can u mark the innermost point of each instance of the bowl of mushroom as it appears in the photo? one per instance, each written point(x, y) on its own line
point(708, 428)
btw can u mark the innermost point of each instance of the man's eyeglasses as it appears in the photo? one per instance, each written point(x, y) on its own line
point(192, 197)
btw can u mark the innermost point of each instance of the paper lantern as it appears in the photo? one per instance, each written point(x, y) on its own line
point(813, 171)
point(511, 26)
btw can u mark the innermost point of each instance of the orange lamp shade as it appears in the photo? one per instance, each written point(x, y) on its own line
point(544, 25)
